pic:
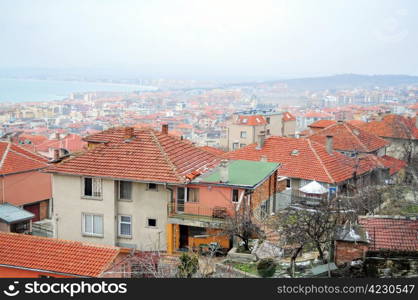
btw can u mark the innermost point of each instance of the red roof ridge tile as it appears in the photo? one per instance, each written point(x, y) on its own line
point(320, 161)
point(164, 154)
point(5, 154)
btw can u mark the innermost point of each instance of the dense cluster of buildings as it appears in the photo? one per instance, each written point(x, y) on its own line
point(111, 176)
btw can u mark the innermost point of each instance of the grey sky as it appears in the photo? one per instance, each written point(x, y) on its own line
point(256, 39)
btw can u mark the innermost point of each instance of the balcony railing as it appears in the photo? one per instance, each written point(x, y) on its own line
point(197, 211)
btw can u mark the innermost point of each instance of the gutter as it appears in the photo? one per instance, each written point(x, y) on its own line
point(43, 271)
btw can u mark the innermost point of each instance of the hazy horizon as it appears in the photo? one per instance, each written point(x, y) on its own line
point(224, 40)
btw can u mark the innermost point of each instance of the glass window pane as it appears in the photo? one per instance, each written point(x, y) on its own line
point(180, 193)
point(88, 224)
point(88, 189)
point(125, 219)
point(125, 229)
point(98, 225)
point(125, 190)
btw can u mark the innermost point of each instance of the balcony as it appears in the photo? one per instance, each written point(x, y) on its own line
point(194, 214)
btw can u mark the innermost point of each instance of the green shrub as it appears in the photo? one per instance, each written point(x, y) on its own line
point(266, 267)
point(189, 264)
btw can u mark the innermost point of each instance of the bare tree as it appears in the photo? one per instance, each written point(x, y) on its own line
point(242, 225)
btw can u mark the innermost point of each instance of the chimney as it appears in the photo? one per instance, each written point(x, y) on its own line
point(329, 144)
point(129, 133)
point(263, 158)
point(56, 154)
point(260, 140)
point(57, 135)
point(164, 129)
point(223, 171)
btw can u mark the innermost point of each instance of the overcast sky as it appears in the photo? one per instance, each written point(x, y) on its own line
point(259, 39)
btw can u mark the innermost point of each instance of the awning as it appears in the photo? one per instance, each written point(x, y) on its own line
point(12, 214)
point(313, 187)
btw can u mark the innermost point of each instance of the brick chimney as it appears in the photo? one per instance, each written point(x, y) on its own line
point(129, 133)
point(223, 171)
point(164, 129)
point(260, 140)
point(329, 145)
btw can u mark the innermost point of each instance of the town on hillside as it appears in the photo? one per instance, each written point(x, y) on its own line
point(134, 185)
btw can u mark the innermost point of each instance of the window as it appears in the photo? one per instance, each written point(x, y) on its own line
point(268, 120)
point(152, 186)
point(93, 224)
point(125, 225)
point(92, 187)
point(192, 195)
point(235, 146)
point(288, 183)
point(242, 145)
point(125, 190)
point(151, 222)
point(235, 195)
point(243, 134)
point(268, 132)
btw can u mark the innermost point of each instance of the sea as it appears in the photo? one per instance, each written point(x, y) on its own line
point(33, 90)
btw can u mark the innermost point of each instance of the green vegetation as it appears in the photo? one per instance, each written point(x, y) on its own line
point(266, 267)
point(189, 264)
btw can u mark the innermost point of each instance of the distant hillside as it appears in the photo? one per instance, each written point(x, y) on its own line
point(348, 81)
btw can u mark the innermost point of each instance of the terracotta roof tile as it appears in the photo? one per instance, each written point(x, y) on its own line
point(322, 123)
point(300, 158)
point(149, 156)
point(347, 137)
point(55, 255)
point(254, 120)
point(388, 233)
point(14, 159)
point(393, 126)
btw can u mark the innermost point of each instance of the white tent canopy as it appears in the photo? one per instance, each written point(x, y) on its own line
point(313, 187)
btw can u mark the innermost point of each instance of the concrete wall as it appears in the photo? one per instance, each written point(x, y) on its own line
point(234, 134)
point(69, 206)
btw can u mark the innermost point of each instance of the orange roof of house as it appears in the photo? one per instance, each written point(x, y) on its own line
point(287, 116)
point(251, 120)
point(393, 126)
point(55, 255)
point(300, 158)
point(149, 156)
point(213, 150)
point(322, 123)
point(347, 137)
point(15, 159)
point(388, 233)
point(71, 142)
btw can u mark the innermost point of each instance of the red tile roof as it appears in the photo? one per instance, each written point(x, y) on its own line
point(393, 126)
point(389, 233)
point(251, 120)
point(300, 158)
point(213, 150)
point(322, 123)
point(149, 156)
point(349, 138)
point(287, 116)
point(55, 255)
point(15, 159)
point(394, 164)
point(71, 142)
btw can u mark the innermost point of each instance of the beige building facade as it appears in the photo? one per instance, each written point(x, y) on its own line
point(135, 218)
